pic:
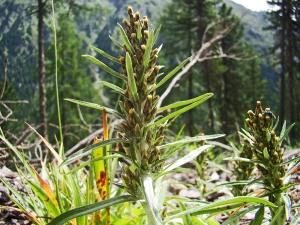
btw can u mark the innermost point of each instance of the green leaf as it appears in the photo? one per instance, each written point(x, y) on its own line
point(131, 80)
point(125, 39)
point(191, 139)
point(285, 133)
point(84, 210)
point(259, 216)
point(266, 154)
point(187, 158)
point(228, 203)
point(96, 106)
point(180, 111)
point(47, 201)
point(112, 86)
point(116, 42)
point(156, 35)
point(108, 56)
point(139, 31)
point(187, 217)
point(242, 159)
point(182, 103)
point(148, 50)
point(105, 67)
point(240, 214)
point(93, 161)
point(172, 73)
point(88, 150)
point(277, 216)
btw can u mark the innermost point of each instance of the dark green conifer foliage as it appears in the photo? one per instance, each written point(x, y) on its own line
point(241, 83)
point(285, 22)
point(186, 22)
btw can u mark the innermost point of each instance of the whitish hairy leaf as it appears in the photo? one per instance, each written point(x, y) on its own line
point(187, 158)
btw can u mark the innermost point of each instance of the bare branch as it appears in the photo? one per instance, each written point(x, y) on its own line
point(4, 78)
point(204, 54)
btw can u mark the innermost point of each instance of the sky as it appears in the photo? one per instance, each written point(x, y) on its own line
point(254, 5)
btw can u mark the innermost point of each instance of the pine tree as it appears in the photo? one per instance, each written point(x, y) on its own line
point(184, 35)
point(285, 22)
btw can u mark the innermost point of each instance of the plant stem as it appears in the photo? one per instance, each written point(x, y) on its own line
point(149, 205)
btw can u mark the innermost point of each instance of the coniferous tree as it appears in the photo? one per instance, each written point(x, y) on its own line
point(285, 22)
point(183, 25)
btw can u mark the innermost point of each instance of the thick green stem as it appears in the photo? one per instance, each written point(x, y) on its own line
point(150, 205)
point(279, 214)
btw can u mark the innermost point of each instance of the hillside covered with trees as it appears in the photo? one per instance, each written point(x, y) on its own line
point(241, 68)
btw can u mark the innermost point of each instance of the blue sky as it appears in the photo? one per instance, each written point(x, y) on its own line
point(254, 5)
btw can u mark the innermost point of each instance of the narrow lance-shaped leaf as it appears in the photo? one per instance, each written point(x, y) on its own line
point(198, 210)
point(125, 39)
point(172, 73)
point(47, 190)
point(192, 139)
point(96, 106)
point(106, 55)
point(131, 80)
point(178, 112)
point(104, 67)
point(156, 35)
point(192, 155)
point(49, 204)
point(139, 31)
point(284, 135)
point(84, 210)
point(148, 50)
point(183, 103)
point(112, 86)
point(88, 150)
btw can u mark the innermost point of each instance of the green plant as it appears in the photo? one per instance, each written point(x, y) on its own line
point(262, 149)
point(141, 135)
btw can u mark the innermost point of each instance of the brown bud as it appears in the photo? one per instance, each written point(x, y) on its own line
point(130, 11)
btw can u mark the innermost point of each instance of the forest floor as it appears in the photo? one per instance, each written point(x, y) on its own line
point(183, 184)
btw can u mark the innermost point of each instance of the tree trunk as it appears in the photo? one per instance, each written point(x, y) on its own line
point(42, 89)
point(291, 68)
point(282, 61)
